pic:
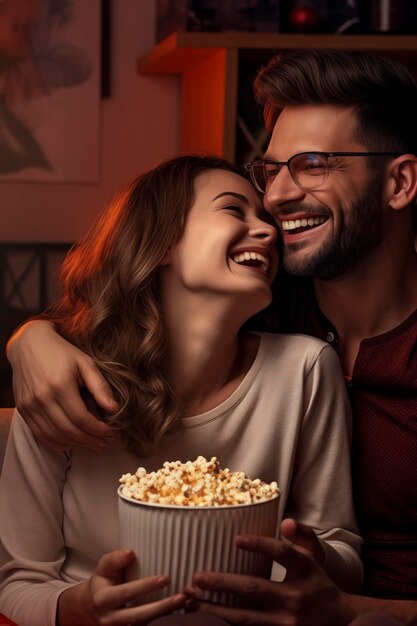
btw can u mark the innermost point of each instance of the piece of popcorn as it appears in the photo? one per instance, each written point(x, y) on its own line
point(196, 483)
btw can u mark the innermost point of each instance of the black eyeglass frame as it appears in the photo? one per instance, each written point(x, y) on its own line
point(249, 166)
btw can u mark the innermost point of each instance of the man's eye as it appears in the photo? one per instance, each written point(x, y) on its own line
point(271, 171)
point(309, 164)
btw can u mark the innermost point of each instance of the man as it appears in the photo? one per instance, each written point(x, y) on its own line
point(340, 177)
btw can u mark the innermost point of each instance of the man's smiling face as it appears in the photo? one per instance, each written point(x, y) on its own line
point(328, 230)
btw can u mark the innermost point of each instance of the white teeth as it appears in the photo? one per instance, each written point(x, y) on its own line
point(311, 221)
point(249, 255)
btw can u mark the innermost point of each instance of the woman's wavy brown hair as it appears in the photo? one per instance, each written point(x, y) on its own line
point(110, 302)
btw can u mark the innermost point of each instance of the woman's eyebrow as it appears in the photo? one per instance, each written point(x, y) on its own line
point(239, 196)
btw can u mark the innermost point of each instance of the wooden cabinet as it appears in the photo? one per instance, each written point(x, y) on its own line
point(218, 114)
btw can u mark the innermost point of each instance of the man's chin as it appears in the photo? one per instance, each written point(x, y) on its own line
point(294, 264)
point(323, 269)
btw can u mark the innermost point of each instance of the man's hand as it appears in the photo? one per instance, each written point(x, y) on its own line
point(307, 597)
point(47, 375)
point(304, 539)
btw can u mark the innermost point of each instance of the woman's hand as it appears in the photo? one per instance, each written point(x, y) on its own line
point(102, 599)
point(47, 375)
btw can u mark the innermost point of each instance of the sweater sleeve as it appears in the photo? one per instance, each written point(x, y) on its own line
point(321, 492)
point(32, 547)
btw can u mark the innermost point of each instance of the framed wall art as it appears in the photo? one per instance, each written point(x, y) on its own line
point(50, 88)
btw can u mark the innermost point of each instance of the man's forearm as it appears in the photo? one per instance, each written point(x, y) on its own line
point(404, 611)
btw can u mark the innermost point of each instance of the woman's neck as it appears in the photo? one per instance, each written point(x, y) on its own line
point(207, 359)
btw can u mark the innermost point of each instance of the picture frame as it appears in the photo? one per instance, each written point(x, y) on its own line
point(50, 90)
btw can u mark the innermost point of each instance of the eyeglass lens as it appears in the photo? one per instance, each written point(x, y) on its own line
point(308, 171)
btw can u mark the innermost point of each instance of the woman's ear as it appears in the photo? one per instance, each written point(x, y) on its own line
point(167, 258)
point(403, 182)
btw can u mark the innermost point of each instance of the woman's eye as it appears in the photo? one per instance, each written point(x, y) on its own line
point(234, 208)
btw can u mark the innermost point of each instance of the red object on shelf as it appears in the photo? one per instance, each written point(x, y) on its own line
point(303, 19)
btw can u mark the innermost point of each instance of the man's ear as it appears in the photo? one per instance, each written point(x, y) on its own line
point(403, 182)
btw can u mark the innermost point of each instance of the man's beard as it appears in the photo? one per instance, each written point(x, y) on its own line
point(360, 231)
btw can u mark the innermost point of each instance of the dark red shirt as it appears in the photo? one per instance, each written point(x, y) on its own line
point(383, 393)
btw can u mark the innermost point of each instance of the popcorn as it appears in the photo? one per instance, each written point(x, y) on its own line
point(196, 483)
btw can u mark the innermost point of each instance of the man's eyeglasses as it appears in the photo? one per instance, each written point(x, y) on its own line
point(309, 170)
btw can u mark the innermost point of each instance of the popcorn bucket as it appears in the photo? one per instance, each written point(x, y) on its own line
point(179, 540)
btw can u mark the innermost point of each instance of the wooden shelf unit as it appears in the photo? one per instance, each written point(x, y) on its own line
point(210, 64)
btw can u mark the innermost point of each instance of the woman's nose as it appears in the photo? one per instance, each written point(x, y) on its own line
point(263, 230)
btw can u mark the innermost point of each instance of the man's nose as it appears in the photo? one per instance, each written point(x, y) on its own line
point(281, 190)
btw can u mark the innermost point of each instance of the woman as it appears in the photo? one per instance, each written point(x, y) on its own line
point(157, 294)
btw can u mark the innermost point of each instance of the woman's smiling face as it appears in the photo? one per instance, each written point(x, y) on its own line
point(228, 243)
